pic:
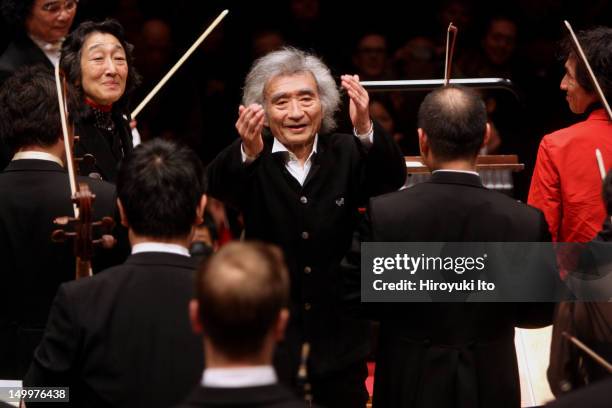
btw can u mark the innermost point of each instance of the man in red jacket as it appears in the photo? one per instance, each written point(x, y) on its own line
point(566, 181)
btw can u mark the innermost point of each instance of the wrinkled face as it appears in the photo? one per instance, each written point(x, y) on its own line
point(500, 41)
point(104, 68)
point(50, 20)
point(293, 109)
point(577, 98)
point(371, 55)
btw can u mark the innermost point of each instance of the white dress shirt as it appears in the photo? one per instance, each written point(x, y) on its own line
point(160, 247)
point(37, 156)
point(239, 377)
point(456, 171)
point(292, 164)
point(51, 50)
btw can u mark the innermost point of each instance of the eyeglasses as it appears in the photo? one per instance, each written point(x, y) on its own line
point(55, 7)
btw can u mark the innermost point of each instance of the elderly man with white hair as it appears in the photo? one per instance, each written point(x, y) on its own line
point(299, 186)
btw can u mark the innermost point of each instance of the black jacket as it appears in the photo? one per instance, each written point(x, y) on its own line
point(122, 338)
point(313, 224)
point(268, 396)
point(452, 354)
point(107, 149)
point(33, 193)
point(20, 52)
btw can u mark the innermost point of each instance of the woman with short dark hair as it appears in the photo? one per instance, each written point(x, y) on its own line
point(98, 61)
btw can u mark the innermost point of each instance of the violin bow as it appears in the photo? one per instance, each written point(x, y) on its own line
point(178, 64)
point(451, 37)
point(592, 76)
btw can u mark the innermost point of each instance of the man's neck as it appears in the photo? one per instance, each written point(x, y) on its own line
point(56, 150)
point(215, 359)
point(456, 165)
point(301, 152)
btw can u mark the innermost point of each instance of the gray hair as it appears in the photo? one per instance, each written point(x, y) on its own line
point(291, 61)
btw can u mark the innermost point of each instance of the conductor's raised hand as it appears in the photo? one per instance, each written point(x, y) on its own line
point(249, 125)
point(359, 107)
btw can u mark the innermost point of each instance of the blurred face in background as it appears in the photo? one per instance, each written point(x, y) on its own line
point(371, 56)
point(500, 41)
point(50, 20)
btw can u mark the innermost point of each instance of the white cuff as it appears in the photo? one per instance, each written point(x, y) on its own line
point(367, 139)
point(246, 159)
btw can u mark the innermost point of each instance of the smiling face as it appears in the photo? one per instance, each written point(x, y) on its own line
point(50, 20)
point(293, 109)
point(577, 97)
point(104, 68)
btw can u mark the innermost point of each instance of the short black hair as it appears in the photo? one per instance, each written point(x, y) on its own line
point(70, 61)
point(454, 119)
point(160, 185)
point(597, 46)
point(15, 13)
point(241, 290)
point(29, 109)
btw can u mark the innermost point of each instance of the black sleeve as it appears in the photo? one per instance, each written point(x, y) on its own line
point(227, 175)
point(55, 357)
point(385, 167)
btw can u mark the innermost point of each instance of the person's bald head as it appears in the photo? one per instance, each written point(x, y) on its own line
point(242, 290)
point(455, 122)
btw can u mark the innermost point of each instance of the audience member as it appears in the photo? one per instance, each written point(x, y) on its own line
point(122, 338)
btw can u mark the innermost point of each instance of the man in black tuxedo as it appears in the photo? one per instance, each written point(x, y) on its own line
point(122, 338)
point(459, 354)
point(242, 309)
point(34, 190)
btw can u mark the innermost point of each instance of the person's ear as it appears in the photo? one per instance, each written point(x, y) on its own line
point(423, 143)
point(199, 219)
point(122, 216)
point(487, 135)
point(194, 317)
point(281, 324)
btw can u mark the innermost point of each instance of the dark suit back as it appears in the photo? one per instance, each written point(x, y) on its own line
point(33, 193)
point(451, 354)
point(123, 337)
point(269, 396)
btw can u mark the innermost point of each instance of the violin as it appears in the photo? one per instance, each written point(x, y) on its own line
point(82, 200)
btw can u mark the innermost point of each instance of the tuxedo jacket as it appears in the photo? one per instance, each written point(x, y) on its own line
point(313, 224)
point(268, 396)
point(21, 52)
point(452, 354)
point(122, 338)
point(33, 193)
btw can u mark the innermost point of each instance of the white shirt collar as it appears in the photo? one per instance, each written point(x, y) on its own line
point(457, 171)
point(37, 156)
point(239, 377)
point(160, 247)
point(51, 50)
point(279, 147)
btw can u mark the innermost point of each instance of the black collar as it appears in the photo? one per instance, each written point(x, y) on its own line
point(455, 177)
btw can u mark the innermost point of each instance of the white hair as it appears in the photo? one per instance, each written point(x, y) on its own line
point(291, 61)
